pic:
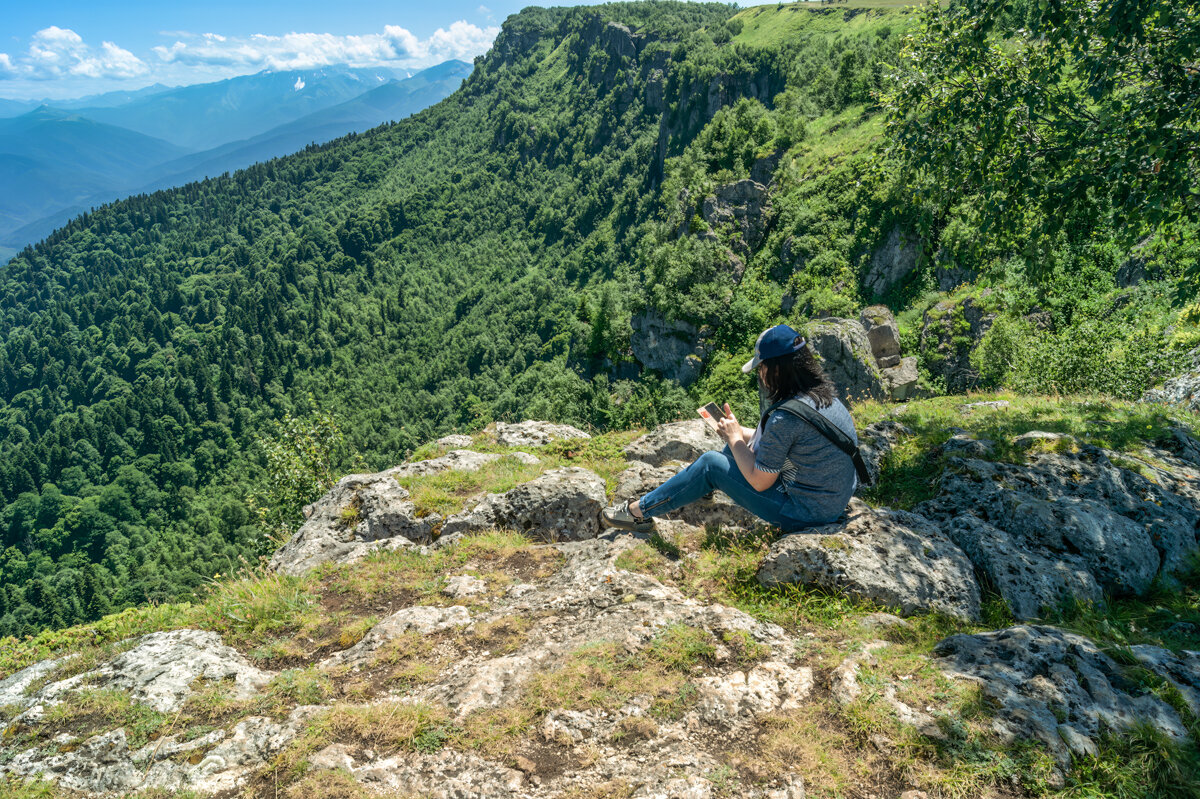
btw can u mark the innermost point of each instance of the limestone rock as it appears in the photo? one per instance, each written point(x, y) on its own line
point(1054, 686)
point(159, 670)
point(901, 380)
point(742, 207)
point(766, 688)
point(457, 460)
point(455, 441)
point(360, 514)
point(1182, 391)
point(895, 558)
point(845, 354)
point(535, 434)
point(892, 262)
point(420, 618)
point(677, 441)
point(876, 440)
point(672, 347)
point(883, 335)
point(464, 585)
point(560, 505)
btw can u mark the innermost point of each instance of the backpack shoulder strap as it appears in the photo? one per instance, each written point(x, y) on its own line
point(835, 434)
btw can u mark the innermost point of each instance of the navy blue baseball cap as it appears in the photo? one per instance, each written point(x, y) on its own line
point(773, 342)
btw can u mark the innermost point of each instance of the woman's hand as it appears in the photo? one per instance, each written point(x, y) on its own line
point(728, 428)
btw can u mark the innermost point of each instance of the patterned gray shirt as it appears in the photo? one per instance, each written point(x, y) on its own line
point(818, 477)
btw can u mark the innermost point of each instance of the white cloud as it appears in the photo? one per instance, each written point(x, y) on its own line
point(56, 53)
point(396, 45)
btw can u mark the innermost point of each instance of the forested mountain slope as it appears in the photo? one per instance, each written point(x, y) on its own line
point(500, 255)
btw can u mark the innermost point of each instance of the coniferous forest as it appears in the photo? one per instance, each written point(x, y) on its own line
point(486, 258)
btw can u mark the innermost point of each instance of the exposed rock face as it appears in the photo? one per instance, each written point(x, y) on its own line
point(1068, 524)
point(1183, 390)
point(360, 514)
point(677, 441)
point(895, 558)
point(671, 347)
point(891, 262)
point(876, 440)
point(949, 333)
point(421, 619)
point(743, 206)
point(883, 335)
point(462, 460)
point(535, 434)
point(455, 441)
point(560, 505)
point(158, 671)
point(845, 354)
point(1061, 689)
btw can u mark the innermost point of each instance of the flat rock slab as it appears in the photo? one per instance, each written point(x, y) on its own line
point(677, 441)
point(158, 670)
point(560, 505)
point(457, 460)
point(535, 434)
point(894, 558)
point(1058, 687)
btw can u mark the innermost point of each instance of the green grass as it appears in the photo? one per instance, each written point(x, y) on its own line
point(770, 25)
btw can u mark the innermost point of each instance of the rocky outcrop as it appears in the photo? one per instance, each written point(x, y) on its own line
point(1067, 524)
point(845, 354)
point(672, 347)
point(891, 262)
point(677, 441)
point(362, 513)
point(896, 559)
point(950, 331)
point(742, 208)
point(560, 505)
point(535, 434)
point(883, 334)
point(1062, 690)
point(1182, 391)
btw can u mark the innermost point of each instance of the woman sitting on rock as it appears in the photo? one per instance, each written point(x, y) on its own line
point(785, 471)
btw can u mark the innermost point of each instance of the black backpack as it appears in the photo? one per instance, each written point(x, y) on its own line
point(831, 431)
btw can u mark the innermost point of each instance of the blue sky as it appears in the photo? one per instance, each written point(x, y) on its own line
point(70, 48)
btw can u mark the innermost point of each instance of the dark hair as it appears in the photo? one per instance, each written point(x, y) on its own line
point(791, 374)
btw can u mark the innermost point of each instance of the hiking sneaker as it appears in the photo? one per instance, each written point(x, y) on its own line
point(622, 519)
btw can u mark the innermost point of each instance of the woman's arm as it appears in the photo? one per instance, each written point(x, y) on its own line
point(733, 434)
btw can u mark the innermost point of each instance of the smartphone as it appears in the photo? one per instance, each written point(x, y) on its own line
point(710, 413)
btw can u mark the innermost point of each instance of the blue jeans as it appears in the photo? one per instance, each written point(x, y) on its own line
point(719, 471)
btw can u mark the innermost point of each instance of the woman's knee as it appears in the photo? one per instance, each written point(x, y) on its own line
point(713, 461)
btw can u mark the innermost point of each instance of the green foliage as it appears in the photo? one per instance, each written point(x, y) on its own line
point(1053, 113)
point(303, 457)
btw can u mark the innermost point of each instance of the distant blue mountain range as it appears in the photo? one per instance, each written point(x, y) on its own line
point(56, 162)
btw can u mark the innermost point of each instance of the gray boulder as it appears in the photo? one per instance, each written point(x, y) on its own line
point(676, 441)
point(876, 440)
point(901, 380)
point(672, 347)
point(535, 434)
point(892, 262)
point(845, 354)
point(894, 558)
point(454, 441)
point(560, 505)
point(883, 335)
point(1056, 687)
point(461, 460)
point(360, 514)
